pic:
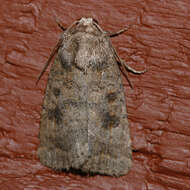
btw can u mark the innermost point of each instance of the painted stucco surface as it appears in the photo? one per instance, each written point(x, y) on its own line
point(158, 106)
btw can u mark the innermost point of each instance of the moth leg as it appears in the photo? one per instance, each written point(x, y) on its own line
point(130, 69)
point(124, 71)
point(122, 66)
point(114, 34)
point(60, 25)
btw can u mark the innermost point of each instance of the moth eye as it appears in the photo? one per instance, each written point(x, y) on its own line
point(95, 20)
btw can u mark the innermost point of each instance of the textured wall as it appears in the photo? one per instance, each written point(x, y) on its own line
point(158, 107)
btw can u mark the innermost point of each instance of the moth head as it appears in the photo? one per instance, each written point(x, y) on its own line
point(87, 21)
point(90, 24)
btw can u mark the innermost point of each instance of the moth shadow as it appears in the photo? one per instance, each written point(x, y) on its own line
point(81, 173)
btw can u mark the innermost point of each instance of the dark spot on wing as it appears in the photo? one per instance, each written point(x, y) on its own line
point(55, 114)
point(111, 96)
point(98, 66)
point(67, 55)
point(56, 91)
point(65, 64)
point(110, 120)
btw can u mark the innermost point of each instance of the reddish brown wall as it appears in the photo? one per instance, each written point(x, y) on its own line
point(158, 107)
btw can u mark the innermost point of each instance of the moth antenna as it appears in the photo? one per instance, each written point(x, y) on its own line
point(54, 52)
point(72, 25)
point(49, 60)
point(126, 74)
point(60, 25)
point(97, 26)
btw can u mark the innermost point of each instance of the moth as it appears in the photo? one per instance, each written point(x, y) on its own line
point(84, 124)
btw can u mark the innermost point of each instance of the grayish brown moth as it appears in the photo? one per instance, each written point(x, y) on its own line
point(84, 122)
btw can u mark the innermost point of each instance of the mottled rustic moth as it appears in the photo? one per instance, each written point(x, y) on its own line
point(84, 122)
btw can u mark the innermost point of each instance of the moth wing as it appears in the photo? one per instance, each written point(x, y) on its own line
point(63, 138)
point(108, 132)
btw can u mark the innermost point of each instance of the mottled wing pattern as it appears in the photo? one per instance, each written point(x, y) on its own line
point(84, 121)
point(108, 133)
point(63, 128)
